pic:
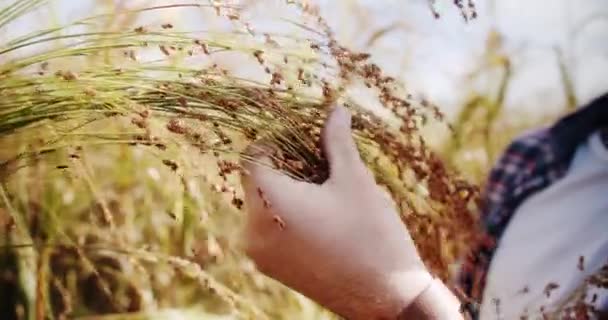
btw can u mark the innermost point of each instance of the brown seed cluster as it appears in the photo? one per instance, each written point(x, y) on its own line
point(441, 236)
point(443, 229)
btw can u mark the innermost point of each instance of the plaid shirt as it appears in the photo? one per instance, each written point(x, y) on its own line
point(530, 164)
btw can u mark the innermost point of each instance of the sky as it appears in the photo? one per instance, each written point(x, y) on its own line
point(442, 52)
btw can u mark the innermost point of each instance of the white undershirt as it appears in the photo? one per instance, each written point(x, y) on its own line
point(545, 238)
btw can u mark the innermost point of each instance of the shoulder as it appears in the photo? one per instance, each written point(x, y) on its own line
point(522, 157)
point(527, 165)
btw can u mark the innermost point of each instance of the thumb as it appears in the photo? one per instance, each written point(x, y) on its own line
point(338, 143)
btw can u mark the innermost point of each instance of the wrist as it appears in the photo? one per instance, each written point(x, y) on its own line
point(381, 297)
point(406, 287)
point(434, 302)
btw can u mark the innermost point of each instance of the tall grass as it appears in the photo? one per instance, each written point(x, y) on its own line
point(119, 161)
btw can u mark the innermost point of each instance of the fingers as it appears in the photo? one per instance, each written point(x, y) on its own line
point(266, 187)
point(339, 145)
point(274, 201)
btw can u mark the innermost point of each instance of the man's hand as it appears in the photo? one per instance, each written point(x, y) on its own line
point(341, 243)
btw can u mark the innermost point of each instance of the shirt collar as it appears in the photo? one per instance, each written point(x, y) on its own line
point(576, 127)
